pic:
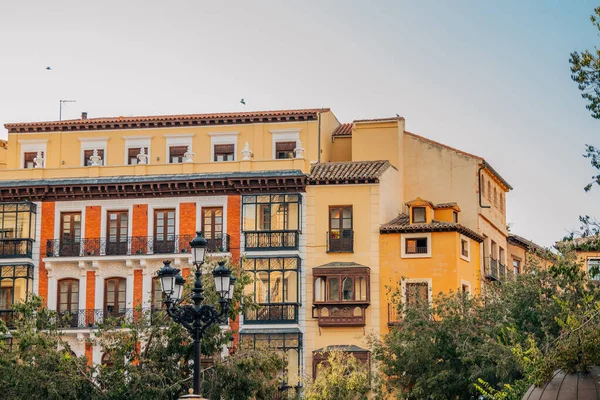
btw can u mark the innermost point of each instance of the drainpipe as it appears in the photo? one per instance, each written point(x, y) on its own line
point(483, 165)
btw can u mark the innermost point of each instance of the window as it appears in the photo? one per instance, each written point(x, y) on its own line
point(288, 344)
point(164, 231)
point(116, 235)
point(132, 155)
point(489, 190)
point(340, 229)
point(176, 154)
point(212, 227)
point(501, 256)
point(284, 150)
point(416, 246)
point(418, 214)
point(320, 356)
point(416, 292)
point(336, 286)
point(455, 217)
point(494, 249)
point(271, 221)
point(114, 297)
point(68, 300)
point(224, 152)
point(70, 233)
point(495, 197)
point(107, 359)
point(275, 289)
point(465, 289)
point(157, 296)
point(16, 282)
point(28, 159)
point(594, 268)
point(516, 267)
point(464, 248)
point(17, 229)
point(501, 201)
point(482, 186)
point(89, 153)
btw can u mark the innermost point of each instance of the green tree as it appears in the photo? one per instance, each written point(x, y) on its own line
point(342, 376)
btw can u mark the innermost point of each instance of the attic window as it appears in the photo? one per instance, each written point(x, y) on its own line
point(418, 214)
point(454, 217)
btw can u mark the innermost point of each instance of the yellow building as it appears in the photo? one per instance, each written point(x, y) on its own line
point(327, 217)
point(587, 251)
point(526, 254)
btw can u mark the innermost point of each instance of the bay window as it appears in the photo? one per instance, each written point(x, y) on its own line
point(271, 221)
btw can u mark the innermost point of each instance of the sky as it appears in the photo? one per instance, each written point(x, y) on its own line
point(489, 78)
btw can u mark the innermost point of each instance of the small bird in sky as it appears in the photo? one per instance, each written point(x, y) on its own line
point(397, 115)
point(49, 68)
point(243, 101)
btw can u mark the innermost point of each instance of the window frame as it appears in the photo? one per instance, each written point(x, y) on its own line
point(464, 239)
point(285, 143)
point(427, 281)
point(32, 146)
point(593, 262)
point(228, 153)
point(409, 236)
point(346, 244)
point(246, 201)
point(412, 211)
point(327, 274)
point(117, 312)
point(128, 156)
point(170, 152)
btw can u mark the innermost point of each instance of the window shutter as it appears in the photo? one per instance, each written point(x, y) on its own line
point(224, 148)
point(285, 146)
point(177, 151)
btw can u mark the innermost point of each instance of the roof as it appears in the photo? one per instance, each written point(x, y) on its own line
point(343, 130)
point(348, 172)
point(524, 243)
point(165, 121)
point(401, 224)
point(464, 153)
point(341, 264)
point(568, 386)
point(389, 119)
point(341, 347)
point(587, 243)
point(445, 205)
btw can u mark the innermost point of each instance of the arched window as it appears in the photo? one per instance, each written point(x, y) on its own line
point(501, 201)
point(114, 296)
point(482, 186)
point(319, 289)
point(495, 197)
point(489, 190)
point(68, 300)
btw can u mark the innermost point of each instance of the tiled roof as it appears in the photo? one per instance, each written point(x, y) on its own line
point(588, 243)
point(524, 243)
point(162, 121)
point(343, 130)
point(401, 224)
point(389, 119)
point(445, 205)
point(347, 172)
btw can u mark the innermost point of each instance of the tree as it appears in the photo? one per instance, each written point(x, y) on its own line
point(149, 356)
point(515, 333)
point(342, 376)
point(585, 70)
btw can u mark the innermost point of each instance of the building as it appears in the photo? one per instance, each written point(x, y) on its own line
point(327, 217)
point(587, 253)
point(526, 254)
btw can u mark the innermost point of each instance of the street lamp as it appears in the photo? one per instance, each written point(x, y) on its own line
point(196, 317)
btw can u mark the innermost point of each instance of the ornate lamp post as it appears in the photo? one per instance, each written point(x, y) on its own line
point(196, 317)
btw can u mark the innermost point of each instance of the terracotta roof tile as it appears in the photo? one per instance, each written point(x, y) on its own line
point(389, 119)
point(445, 205)
point(347, 172)
point(343, 130)
point(401, 224)
point(157, 121)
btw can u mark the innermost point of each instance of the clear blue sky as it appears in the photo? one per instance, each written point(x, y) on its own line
point(491, 78)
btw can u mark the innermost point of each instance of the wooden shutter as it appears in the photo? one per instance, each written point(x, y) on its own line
point(224, 148)
point(285, 146)
point(88, 153)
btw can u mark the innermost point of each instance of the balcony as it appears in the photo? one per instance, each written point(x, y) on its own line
point(90, 318)
point(340, 244)
point(495, 271)
point(272, 314)
point(11, 248)
point(133, 245)
point(416, 250)
point(272, 240)
point(340, 314)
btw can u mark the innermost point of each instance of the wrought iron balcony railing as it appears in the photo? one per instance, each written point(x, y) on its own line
point(416, 250)
point(272, 314)
point(16, 248)
point(90, 318)
point(496, 271)
point(129, 246)
point(272, 240)
point(340, 242)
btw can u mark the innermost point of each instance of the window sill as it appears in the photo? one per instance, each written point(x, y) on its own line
point(467, 258)
point(417, 255)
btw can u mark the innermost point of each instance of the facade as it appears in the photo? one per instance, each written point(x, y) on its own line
point(526, 254)
point(587, 252)
point(328, 218)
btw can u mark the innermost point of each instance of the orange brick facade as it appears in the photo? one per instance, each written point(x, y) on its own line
point(233, 226)
point(92, 221)
point(90, 292)
point(140, 220)
point(187, 218)
point(47, 232)
point(138, 288)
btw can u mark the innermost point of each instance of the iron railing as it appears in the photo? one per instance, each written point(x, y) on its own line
point(16, 248)
point(272, 313)
point(340, 243)
point(502, 271)
point(417, 250)
point(132, 245)
point(90, 318)
point(491, 269)
point(7, 316)
point(272, 240)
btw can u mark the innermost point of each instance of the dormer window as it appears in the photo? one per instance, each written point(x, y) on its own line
point(455, 217)
point(418, 215)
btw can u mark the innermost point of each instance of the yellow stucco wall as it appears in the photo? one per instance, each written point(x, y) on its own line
point(445, 268)
point(329, 123)
point(365, 202)
point(341, 149)
point(3, 154)
point(378, 141)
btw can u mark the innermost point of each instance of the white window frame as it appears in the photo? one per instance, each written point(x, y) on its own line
point(137, 141)
point(177, 139)
point(104, 221)
point(594, 262)
point(429, 283)
point(223, 138)
point(92, 144)
point(283, 135)
point(467, 284)
point(424, 235)
point(466, 239)
point(30, 146)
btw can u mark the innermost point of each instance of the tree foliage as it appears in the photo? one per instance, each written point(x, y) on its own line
point(514, 334)
point(342, 376)
point(150, 357)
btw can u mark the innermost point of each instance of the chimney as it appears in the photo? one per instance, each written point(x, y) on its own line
point(84, 115)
